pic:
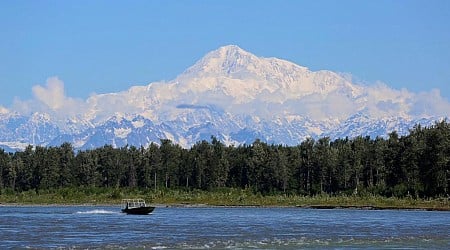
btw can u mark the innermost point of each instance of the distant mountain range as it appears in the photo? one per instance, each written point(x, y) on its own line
point(230, 94)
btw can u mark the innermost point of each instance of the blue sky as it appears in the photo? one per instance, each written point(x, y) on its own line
point(108, 46)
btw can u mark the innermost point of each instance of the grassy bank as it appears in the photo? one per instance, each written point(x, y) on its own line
point(224, 197)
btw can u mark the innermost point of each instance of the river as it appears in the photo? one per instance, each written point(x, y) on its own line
point(80, 227)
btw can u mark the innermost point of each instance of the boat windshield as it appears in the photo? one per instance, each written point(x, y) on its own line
point(131, 203)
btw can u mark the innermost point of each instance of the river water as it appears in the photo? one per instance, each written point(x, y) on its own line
point(80, 227)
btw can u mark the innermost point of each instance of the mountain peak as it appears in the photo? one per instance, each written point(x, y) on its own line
point(225, 60)
point(230, 50)
point(244, 76)
point(234, 95)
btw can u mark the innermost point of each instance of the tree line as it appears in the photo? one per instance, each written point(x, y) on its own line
point(416, 165)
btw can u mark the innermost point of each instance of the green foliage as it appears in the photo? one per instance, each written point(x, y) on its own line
point(218, 197)
point(116, 194)
point(416, 165)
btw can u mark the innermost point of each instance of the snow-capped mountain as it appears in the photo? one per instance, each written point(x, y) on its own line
point(230, 94)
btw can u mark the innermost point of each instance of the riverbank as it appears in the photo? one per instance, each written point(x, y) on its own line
point(224, 197)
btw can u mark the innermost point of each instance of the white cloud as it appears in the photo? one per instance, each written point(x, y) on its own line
point(160, 101)
point(429, 103)
point(382, 100)
point(51, 99)
point(3, 110)
point(52, 94)
point(103, 106)
point(339, 106)
point(377, 100)
point(26, 107)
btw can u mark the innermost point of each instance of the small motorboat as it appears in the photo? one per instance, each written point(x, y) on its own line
point(136, 206)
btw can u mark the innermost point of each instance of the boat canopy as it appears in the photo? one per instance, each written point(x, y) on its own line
point(132, 203)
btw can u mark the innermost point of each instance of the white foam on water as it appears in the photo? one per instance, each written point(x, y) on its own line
point(97, 211)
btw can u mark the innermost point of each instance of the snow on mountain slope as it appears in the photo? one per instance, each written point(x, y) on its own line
point(230, 94)
point(246, 79)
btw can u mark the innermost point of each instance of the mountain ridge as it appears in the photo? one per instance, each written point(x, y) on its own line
point(230, 94)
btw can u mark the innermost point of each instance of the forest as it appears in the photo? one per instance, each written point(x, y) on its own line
point(416, 165)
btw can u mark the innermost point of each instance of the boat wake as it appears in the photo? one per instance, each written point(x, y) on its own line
point(96, 211)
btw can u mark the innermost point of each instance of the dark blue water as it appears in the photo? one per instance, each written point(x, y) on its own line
point(218, 228)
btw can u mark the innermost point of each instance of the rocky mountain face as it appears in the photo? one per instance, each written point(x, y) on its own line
point(230, 94)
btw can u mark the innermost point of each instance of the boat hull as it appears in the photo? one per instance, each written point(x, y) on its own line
point(138, 210)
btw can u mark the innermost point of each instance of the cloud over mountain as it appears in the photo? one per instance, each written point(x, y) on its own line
point(241, 82)
point(231, 90)
point(51, 98)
